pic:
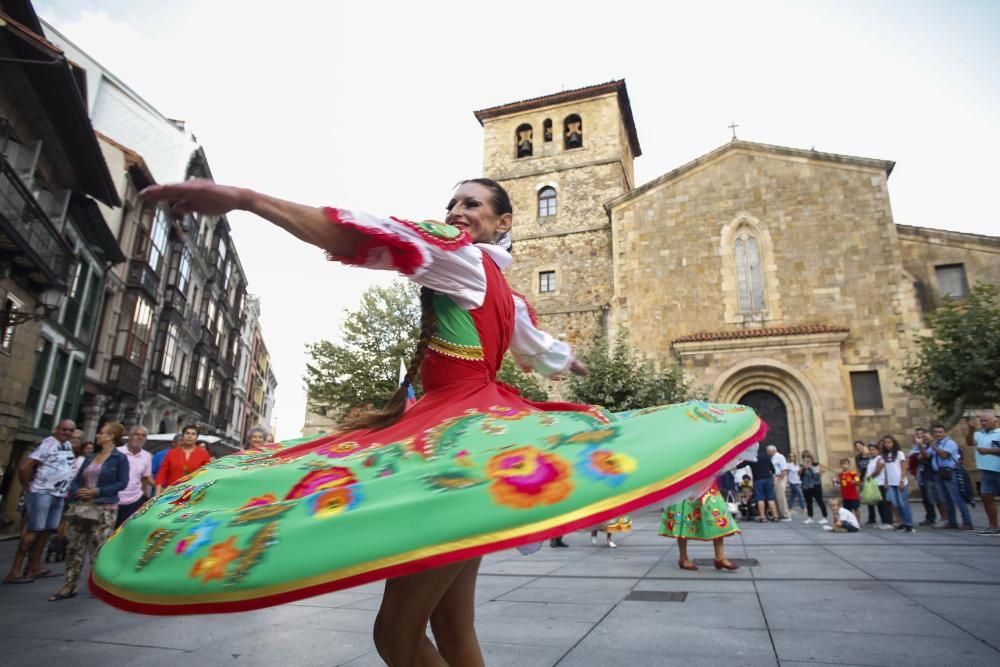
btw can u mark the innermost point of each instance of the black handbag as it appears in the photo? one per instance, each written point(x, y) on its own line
point(946, 473)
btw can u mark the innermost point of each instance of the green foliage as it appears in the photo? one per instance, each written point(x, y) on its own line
point(958, 365)
point(363, 369)
point(527, 383)
point(619, 380)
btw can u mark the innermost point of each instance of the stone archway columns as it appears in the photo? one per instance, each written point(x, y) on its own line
point(805, 370)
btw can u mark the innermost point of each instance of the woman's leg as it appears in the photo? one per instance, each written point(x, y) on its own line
point(682, 551)
point(76, 546)
point(819, 500)
point(809, 502)
point(720, 549)
point(452, 621)
point(400, 630)
point(884, 512)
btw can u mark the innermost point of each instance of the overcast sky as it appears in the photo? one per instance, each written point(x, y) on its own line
point(369, 104)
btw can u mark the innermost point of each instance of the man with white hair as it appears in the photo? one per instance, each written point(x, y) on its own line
point(780, 464)
point(140, 474)
point(984, 435)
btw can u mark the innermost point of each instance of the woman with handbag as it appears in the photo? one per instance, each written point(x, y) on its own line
point(94, 493)
point(876, 470)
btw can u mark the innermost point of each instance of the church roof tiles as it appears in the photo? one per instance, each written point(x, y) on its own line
point(797, 330)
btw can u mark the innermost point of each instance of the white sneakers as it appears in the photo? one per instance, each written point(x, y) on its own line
point(823, 522)
point(612, 544)
point(809, 520)
point(593, 539)
point(827, 527)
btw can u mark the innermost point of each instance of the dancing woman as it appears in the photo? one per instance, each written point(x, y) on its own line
point(469, 469)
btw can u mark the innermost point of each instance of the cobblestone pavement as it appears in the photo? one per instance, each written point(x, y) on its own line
point(805, 597)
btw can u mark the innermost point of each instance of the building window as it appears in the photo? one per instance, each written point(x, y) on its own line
point(221, 261)
point(200, 378)
point(546, 202)
point(50, 407)
point(134, 330)
point(91, 306)
point(184, 271)
point(524, 140)
point(11, 304)
point(749, 276)
point(547, 130)
point(547, 282)
point(38, 377)
point(866, 390)
point(573, 132)
point(158, 240)
point(71, 311)
point(951, 280)
point(169, 350)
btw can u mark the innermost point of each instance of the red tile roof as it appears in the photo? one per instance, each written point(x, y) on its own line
point(798, 330)
point(571, 96)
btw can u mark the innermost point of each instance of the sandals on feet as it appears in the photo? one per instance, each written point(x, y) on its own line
point(18, 580)
point(62, 596)
point(46, 574)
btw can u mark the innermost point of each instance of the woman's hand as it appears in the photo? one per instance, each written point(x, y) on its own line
point(86, 493)
point(578, 368)
point(198, 196)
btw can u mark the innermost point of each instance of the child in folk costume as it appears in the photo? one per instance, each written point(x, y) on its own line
point(470, 468)
point(707, 519)
point(620, 524)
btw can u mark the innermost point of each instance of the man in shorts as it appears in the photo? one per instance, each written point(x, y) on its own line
point(46, 474)
point(984, 435)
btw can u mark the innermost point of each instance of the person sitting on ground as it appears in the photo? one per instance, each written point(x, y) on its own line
point(844, 521)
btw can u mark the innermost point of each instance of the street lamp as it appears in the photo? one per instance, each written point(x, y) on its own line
point(51, 299)
point(167, 382)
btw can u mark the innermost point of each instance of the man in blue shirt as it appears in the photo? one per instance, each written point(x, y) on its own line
point(945, 461)
point(984, 435)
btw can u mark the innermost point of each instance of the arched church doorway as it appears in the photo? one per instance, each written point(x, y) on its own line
point(772, 410)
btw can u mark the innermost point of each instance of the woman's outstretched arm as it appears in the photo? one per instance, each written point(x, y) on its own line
point(305, 222)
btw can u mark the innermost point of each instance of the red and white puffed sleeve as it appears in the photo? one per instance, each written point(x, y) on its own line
point(534, 349)
point(431, 254)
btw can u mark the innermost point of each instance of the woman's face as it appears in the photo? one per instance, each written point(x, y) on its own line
point(873, 451)
point(471, 209)
point(87, 449)
point(861, 448)
point(103, 436)
point(256, 439)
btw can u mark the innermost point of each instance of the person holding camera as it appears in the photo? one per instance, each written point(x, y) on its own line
point(983, 435)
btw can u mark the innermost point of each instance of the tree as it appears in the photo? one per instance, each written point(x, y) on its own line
point(619, 380)
point(363, 369)
point(526, 383)
point(957, 365)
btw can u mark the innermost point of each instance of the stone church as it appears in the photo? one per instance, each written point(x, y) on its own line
point(776, 277)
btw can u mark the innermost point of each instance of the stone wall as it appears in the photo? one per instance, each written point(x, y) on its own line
point(830, 256)
point(923, 249)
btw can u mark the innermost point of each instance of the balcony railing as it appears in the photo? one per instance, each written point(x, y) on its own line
point(141, 275)
point(124, 376)
point(36, 239)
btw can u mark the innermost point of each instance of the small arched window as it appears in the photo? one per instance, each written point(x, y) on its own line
point(546, 202)
point(547, 130)
point(573, 132)
point(749, 275)
point(524, 140)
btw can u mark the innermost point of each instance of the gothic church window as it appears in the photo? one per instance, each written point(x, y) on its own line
point(749, 275)
point(547, 130)
point(524, 140)
point(546, 202)
point(573, 132)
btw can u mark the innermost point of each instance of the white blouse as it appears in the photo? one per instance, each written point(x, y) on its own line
point(432, 255)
